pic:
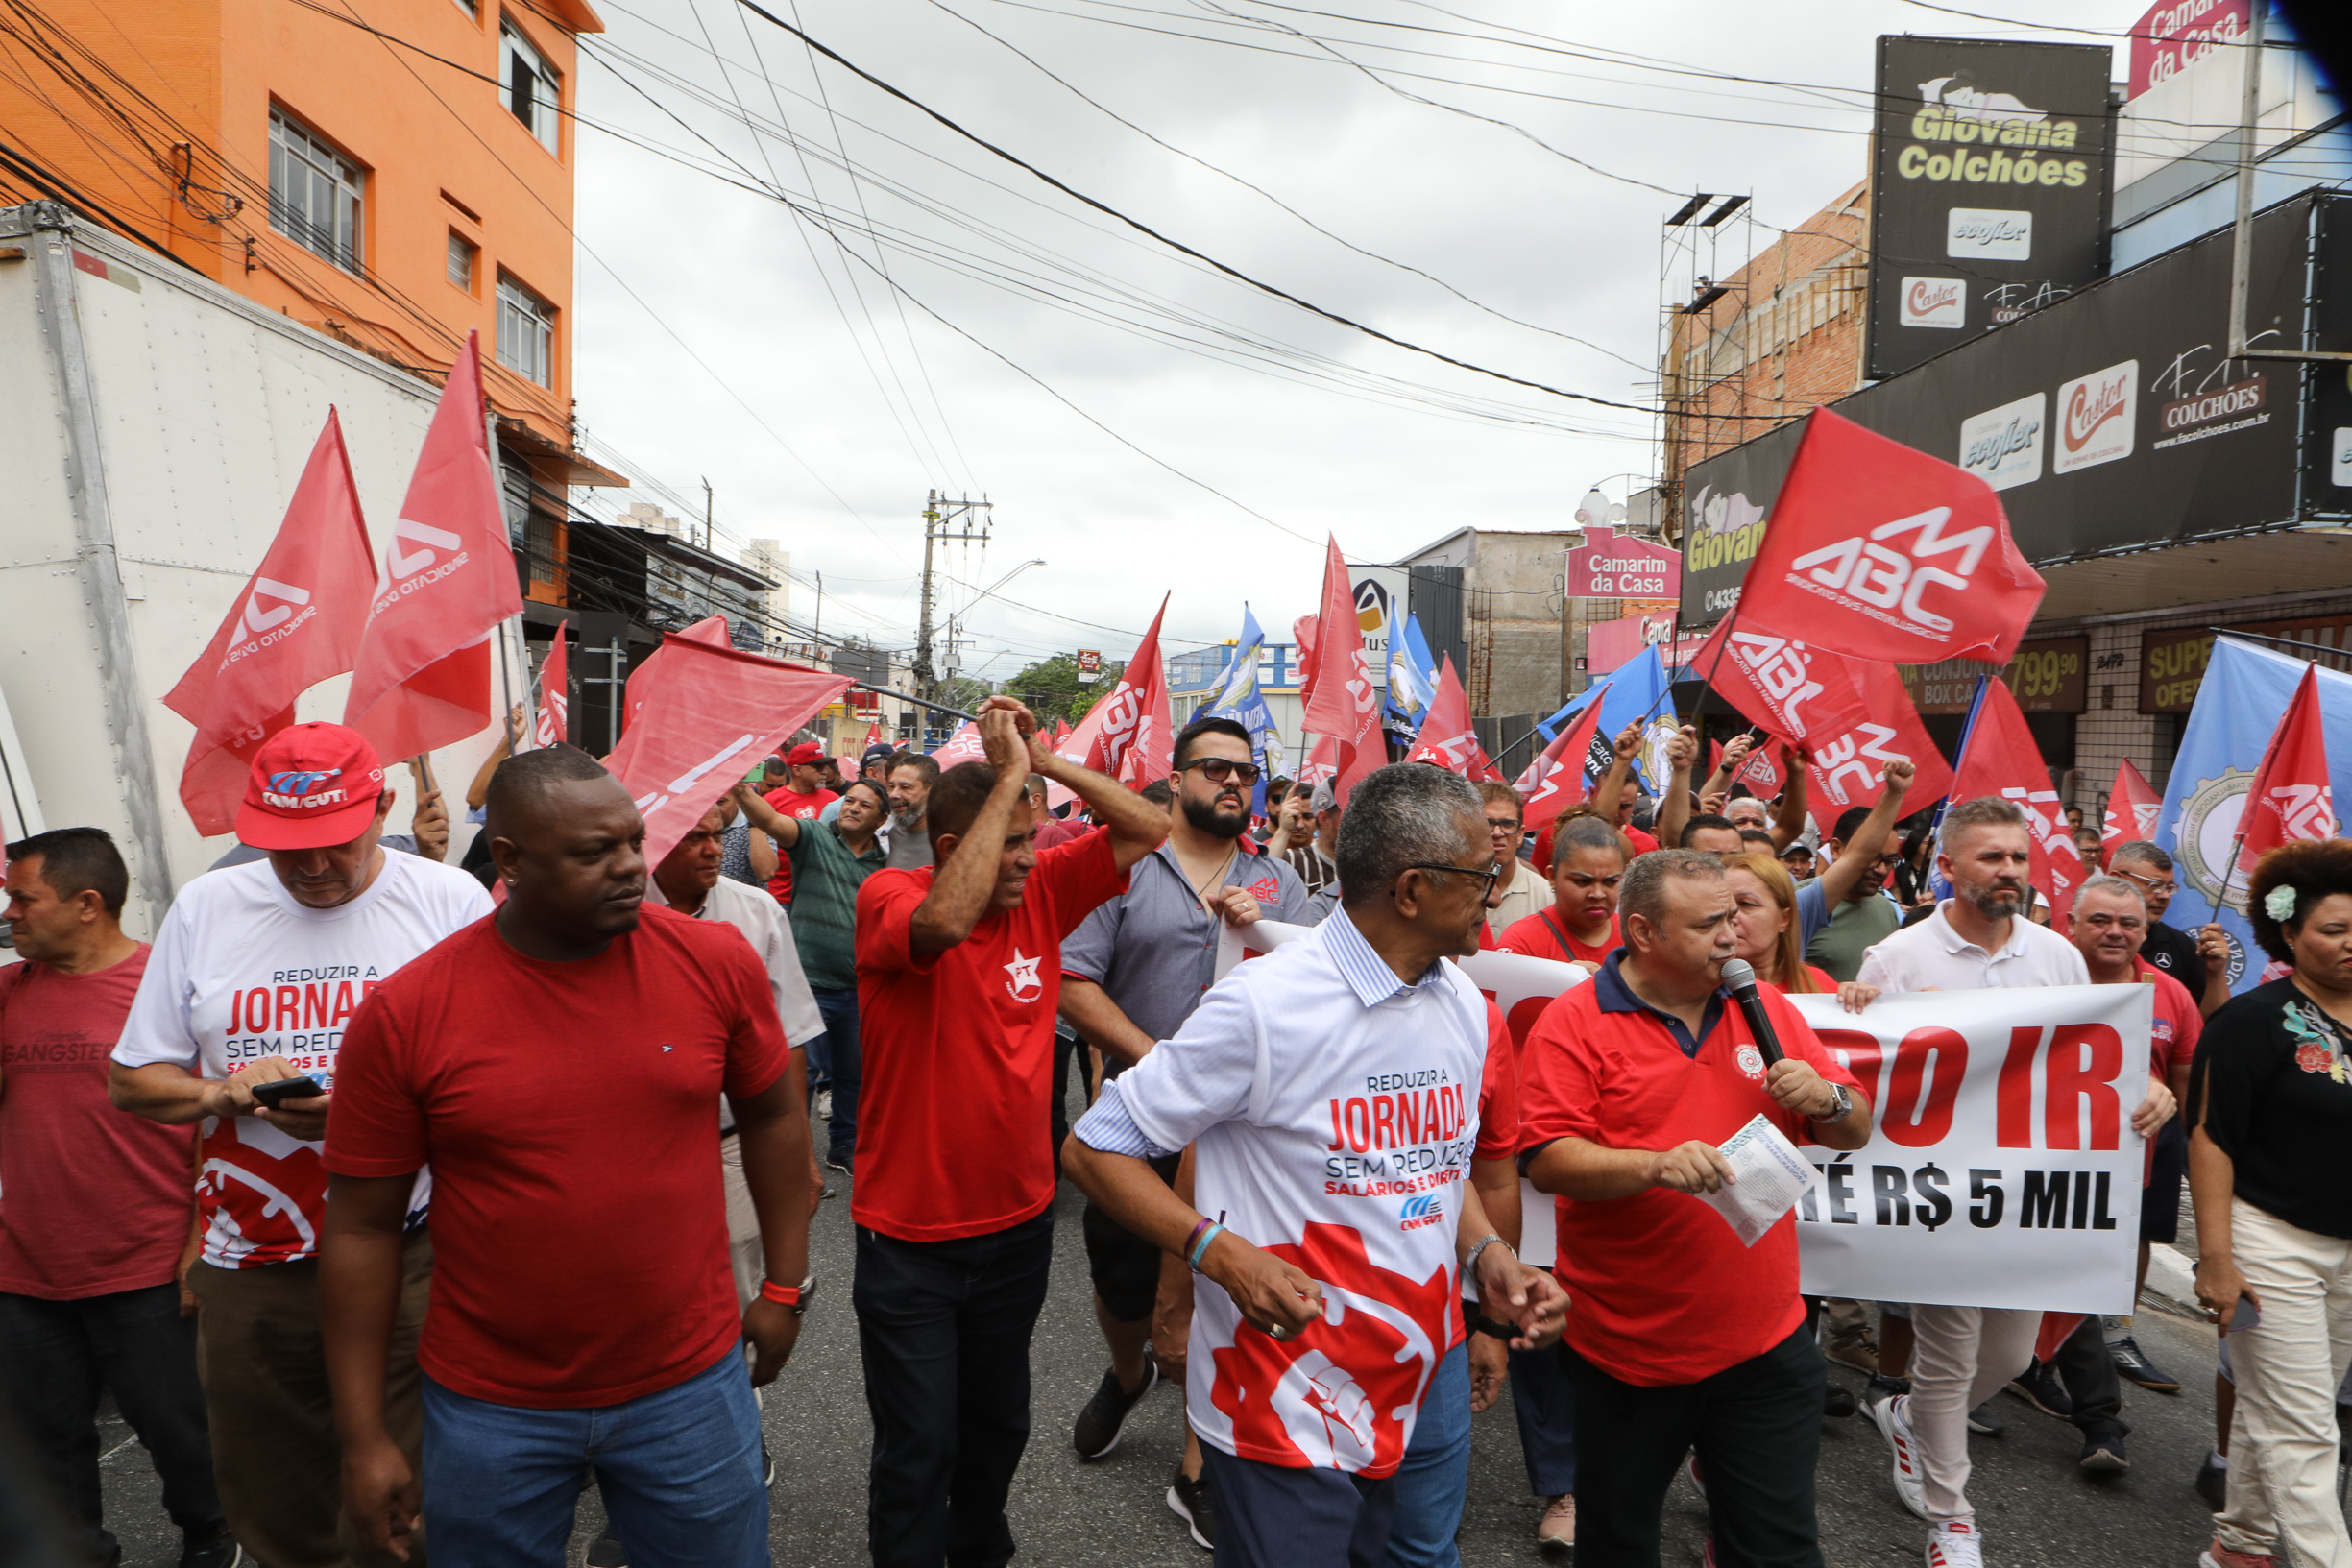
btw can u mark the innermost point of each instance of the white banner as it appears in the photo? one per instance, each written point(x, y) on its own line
point(2009, 1175)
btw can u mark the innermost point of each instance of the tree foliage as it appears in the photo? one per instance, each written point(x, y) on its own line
point(1051, 690)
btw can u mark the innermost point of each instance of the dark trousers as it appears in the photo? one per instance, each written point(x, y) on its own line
point(56, 1356)
point(943, 1331)
point(1278, 1516)
point(846, 1065)
point(2091, 1380)
point(1544, 1402)
point(1757, 1428)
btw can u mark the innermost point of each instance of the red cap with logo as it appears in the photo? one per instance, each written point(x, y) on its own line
point(312, 787)
point(807, 752)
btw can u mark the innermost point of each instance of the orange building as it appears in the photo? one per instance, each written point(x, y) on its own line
point(391, 172)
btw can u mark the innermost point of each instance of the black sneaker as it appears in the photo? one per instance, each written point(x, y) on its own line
point(2212, 1484)
point(1190, 1499)
point(846, 1164)
point(2133, 1363)
point(2104, 1455)
point(1984, 1423)
point(213, 1548)
point(1099, 1424)
point(1881, 1386)
point(1837, 1402)
point(2038, 1385)
point(606, 1552)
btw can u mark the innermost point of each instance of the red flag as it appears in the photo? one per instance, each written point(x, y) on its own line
point(1714, 758)
point(1882, 552)
point(1447, 738)
point(963, 746)
point(2291, 798)
point(1320, 766)
point(711, 631)
point(422, 675)
point(710, 712)
point(1128, 733)
point(873, 734)
point(1555, 780)
point(296, 623)
point(1335, 683)
point(1761, 772)
point(1849, 768)
point(2003, 760)
point(2132, 809)
point(554, 695)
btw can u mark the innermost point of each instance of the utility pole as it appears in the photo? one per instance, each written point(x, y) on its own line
point(706, 514)
point(939, 515)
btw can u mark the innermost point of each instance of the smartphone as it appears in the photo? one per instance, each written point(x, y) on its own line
point(2245, 1316)
point(277, 1090)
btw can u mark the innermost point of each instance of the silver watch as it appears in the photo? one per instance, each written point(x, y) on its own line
point(1841, 1104)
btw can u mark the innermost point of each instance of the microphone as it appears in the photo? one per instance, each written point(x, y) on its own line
point(1739, 978)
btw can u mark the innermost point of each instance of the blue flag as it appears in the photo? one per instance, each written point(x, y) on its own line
point(1637, 691)
point(1239, 699)
point(1412, 678)
point(2245, 694)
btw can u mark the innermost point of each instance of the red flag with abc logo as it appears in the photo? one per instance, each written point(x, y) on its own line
point(2291, 798)
point(2000, 758)
point(296, 623)
point(2132, 809)
point(1126, 733)
point(1882, 552)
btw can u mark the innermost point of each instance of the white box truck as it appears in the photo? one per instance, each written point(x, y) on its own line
point(153, 426)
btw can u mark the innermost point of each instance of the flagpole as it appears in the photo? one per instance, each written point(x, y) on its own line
point(1959, 759)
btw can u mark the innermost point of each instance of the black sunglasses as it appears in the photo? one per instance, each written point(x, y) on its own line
point(1217, 769)
point(1489, 875)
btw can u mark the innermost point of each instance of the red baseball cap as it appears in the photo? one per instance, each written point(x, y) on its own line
point(807, 752)
point(312, 787)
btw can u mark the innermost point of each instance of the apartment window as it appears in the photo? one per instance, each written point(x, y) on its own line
point(462, 255)
point(533, 89)
point(315, 192)
point(526, 332)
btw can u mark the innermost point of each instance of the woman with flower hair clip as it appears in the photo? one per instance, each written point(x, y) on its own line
point(2270, 1113)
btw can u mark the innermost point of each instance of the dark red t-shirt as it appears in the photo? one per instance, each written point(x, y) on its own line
point(1543, 934)
point(91, 1200)
point(570, 1115)
point(954, 1135)
point(803, 808)
point(1659, 1289)
point(1498, 1093)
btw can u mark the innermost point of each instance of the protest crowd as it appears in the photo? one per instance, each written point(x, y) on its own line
point(1390, 1088)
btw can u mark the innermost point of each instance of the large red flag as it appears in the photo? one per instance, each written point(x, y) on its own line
point(963, 746)
point(711, 631)
point(2001, 760)
point(422, 675)
point(2291, 798)
point(1849, 768)
point(1321, 765)
point(1447, 737)
point(297, 623)
point(709, 712)
point(1555, 780)
point(554, 695)
point(1882, 552)
point(1127, 732)
point(1335, 683)
point(2132, 809)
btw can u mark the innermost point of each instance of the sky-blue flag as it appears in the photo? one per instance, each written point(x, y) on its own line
point(1412, 678)
point(1239, 699)
point(2245, 694)
point(1636, 691)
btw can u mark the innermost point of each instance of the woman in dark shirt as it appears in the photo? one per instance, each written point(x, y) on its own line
point(2271, 1106)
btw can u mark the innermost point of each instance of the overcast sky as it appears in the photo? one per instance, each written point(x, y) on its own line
point(719, 335)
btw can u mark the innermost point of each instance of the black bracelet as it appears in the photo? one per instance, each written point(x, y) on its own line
point(1481, 1323)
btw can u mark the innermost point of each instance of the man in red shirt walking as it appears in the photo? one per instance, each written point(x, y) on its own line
point(560, 1064)
point(1679, 1336)
point(958, 982)
point(94, 1206)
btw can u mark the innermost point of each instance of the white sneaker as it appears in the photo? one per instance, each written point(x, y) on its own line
point(1954, 1544)
point(824, 1104)
point(1893, 1419)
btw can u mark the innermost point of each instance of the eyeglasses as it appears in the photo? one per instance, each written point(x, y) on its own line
point(1488, 874)
point(1502, 825)
point(2165, 889)
point(1217, 769)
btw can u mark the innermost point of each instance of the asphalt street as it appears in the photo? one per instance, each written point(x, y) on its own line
point(2036, 1507)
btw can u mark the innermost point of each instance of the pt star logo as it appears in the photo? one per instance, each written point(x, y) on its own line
point(1022, 979)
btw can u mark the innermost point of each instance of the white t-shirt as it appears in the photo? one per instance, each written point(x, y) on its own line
point(1333, 1111)
point(239, 972)
point(1932, 957)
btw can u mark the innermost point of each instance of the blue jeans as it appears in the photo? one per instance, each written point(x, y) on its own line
point(680, 1470)
point(1544, 1401)
point(1434, 1481)
point(836, 1052)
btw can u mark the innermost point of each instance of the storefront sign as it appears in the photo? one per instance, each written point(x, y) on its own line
point(1987, 191)
point(2050, 676)
point(1614, 566)
point(2173, 663)
point(2177, 34)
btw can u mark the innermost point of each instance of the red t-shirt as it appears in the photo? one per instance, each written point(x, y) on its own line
point(954, 1131)
point(1659, 1289)
point(570, 1112)
point(801, 807)
point(91, 1200)
point(1063, 831)
point(1543, 934)
point(1498, 1093)
point(2173, 1041)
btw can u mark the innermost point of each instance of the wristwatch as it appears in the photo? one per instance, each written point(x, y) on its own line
point(1841, 1106)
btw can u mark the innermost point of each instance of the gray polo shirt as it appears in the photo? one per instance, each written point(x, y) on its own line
point(1154, 949)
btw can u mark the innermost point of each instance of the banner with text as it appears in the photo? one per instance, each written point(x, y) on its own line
point(2003, 1172)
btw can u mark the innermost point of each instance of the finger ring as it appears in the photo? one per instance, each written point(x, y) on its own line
point(1278, 1332)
